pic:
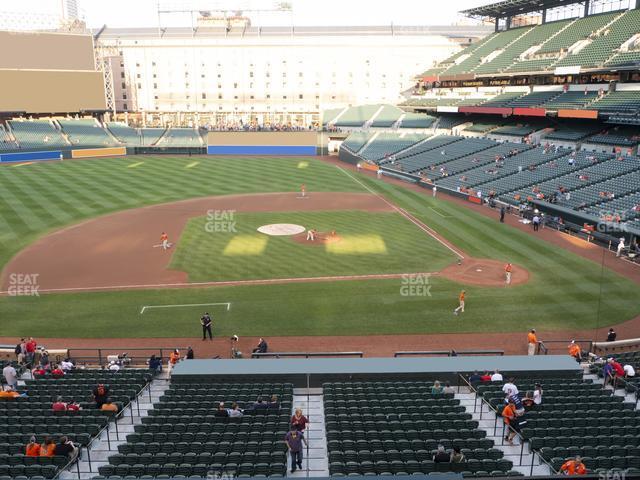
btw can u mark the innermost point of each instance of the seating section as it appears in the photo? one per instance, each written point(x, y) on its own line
point(150, 136)
point(623, 358)
point(32, 415)
point(328, 116)
point(570, 100)
point(412, 162)
point(6, 142)
point(124, 133)
point(181, 137)
point(626, 208)
point(596, 192)
point(387, 116)
point(37, 134)
point(580, 29)
point(572, 133)
point(86, 133)
point(606, 42)
point(600, 427)
point(386, 144)
point(183, 436)
point(417, 120)
point(394, 428)
point(618, 136)
point(619, 101)
point(357, 116)
point(356, 140)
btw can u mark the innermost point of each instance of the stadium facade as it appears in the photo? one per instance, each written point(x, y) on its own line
point(281, 74)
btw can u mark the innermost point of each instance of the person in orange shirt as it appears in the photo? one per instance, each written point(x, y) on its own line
point(48, 448)
point(164, 241)
point(507, 273)
point(532, 341)
point(9, 393)
point(32, 449)
point(174, 357)
point(461, 300)
point(303, 190)
point(509, 415)
point(575, 351)
point(573, 467)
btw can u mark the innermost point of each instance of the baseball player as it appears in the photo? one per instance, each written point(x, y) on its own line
point(461, 306)
point(311, 235)
point(303, 190)
point(164, 241)
point(507, 273)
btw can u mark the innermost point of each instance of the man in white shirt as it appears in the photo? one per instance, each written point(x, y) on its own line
point(620, 247)
point(496, 377)
point(66, 365)
point(629, 371)
point(510, 388)
point(10, 375)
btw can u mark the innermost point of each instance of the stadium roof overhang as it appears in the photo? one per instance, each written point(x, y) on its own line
point(511, 8)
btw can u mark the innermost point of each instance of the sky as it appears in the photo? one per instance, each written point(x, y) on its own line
point(143, 13)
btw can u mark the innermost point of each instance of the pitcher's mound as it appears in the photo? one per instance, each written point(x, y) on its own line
point(321, 239)
point(489, 273)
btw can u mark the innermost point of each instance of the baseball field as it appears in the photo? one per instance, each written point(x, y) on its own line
point(80, 253)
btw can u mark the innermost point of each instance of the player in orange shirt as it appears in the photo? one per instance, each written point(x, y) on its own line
point(164, 241)
point(507, 273)
point(303, 190)
point(573, 467)
point(532, 342)
point(461, 300)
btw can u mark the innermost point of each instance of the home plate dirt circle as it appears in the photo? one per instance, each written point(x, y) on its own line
point(281, 229)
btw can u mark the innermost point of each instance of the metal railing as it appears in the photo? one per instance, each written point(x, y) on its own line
point(544, 346)
point(98, 356)
point(448, 353)
point(306, 354)
point(505, 428)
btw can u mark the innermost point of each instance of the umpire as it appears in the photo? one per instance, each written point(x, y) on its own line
point(205, 321)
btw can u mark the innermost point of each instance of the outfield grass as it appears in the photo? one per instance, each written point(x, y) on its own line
point(40, 197)
point(565, 291)
point(370, 243)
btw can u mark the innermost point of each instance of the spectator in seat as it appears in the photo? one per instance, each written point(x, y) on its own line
point(155, 364)
point(235, 411)
point(457, 456)
point(528, 402)
point(108, 406)
point(611, 335)
point(44, 358)
point(31, 347)
point(190, 355)
point(629, 371)
point(101, 395)
point(67, 365)
point(221, 411)
point(441, 456)
point(448, 388)
point(497, 376)
point(537, 394)
point(48, 448)
point(39, 371)
point(59, 405)
point(485, 377)
point(33, 448)
point(437, 388)
point(299, 421)
point(56, 371)
point(10, 393)
point(274, 403)
point(475, 378)
point(66, 448)
point(573, 467)
point(262, 346)
point(260, 404)
point(113, 366)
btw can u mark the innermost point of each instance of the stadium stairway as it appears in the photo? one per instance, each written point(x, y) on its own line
point(102, 449)
point(488, 422)
point(316, 458)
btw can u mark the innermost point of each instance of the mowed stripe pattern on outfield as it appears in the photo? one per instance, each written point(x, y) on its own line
point(42, 197)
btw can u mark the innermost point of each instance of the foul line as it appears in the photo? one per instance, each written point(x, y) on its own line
point(146, 307)
point(232, 283)
point(429, 231)
point(438, 213)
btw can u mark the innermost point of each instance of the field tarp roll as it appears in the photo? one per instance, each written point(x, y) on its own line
point(98, 152)
point(262, 143)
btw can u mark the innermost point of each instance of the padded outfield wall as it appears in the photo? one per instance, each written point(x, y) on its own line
point(262, 143)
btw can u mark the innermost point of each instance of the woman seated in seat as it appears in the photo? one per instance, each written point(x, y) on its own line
point(48, 448)
point(33, 448)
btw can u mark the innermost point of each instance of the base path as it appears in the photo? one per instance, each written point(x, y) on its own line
point(118, 249)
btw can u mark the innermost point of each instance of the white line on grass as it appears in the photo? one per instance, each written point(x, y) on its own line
point(429, 231)
point(438, 213)
point(147, 307)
